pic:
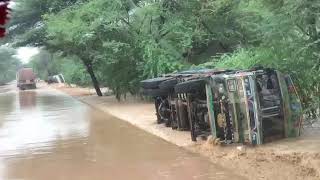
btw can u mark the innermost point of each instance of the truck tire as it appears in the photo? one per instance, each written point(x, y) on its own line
point(192, 86)
point(153, 83)
point(33, 86)
point(168, 122)
point(168, 84)
point(155, 92)
point(22, 87)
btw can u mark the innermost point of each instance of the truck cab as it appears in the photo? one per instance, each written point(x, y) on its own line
point(253, 107)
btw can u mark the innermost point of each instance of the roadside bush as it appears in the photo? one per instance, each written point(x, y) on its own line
point(303, 71)
point(8, 65)
point(74, 72)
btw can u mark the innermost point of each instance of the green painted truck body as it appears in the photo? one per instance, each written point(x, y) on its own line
point(260, 107)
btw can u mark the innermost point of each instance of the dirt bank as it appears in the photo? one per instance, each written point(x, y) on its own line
point(291, 159)
point(73, 91)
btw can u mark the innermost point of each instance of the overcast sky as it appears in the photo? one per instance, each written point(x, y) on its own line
point(25, 53)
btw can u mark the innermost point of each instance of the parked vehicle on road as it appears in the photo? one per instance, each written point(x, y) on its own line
point(240, 106)
point(56, 79)
point(26, 79)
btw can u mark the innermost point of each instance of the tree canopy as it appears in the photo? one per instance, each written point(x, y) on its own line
point(8, 64)
point(120, 42)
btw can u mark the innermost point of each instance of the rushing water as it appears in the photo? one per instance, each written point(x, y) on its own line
point(46, 135)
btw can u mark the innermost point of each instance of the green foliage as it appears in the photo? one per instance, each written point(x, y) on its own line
point(124, 41)
point(42, 65)
point(26, 25)
point(8, 65)
point(290, 42)
point(73, 71)
point(46, 64)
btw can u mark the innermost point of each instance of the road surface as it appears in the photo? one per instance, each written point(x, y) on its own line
point(46, 135)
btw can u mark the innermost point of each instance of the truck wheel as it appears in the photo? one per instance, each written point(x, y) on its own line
point(155, 92)
point(165, 112)
point(168, 123)
point(168, 84)
point(153, 83)
point(192, 86)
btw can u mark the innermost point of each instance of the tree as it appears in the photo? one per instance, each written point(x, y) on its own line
point(70, 31)
point(47, 64)
point(27, 27)
point(8, 64)
point(287, 39)
point(120, 42)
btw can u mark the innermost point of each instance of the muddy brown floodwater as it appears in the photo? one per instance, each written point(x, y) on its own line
point(47, 135)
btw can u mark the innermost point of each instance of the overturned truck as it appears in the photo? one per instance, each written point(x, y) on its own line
point(237, 106)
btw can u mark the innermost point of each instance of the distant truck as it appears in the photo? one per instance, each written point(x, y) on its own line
point(26, 79)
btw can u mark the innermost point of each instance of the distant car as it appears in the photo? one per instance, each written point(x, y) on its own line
point(56, 79)
point(51, 80)
point(26, 79)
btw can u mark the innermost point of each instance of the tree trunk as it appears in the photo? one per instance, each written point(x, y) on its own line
point(94, 79)
point(118, 94)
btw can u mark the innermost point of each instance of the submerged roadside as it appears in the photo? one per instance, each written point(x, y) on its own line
point(285, 159)
point(7, 87)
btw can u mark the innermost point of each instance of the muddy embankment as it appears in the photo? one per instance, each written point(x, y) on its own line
point(289, 159)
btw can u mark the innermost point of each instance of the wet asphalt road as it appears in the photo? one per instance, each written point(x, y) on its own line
point(46, 135)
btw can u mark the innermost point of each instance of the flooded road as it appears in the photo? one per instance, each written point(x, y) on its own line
point(46, 135)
